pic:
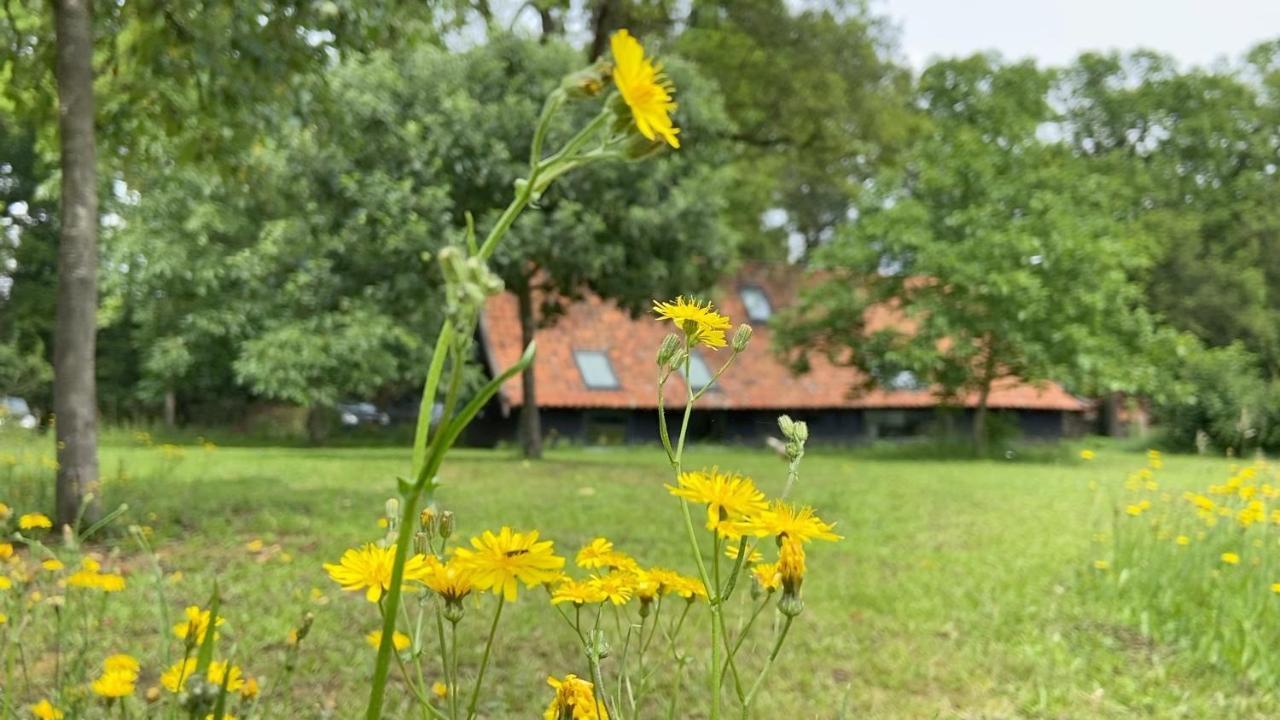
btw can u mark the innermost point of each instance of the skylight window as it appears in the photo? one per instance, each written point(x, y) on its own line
point(757, 303)
point(699, 374)
point(597, 371)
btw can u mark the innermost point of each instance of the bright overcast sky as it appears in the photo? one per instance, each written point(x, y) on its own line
point(1055, 31)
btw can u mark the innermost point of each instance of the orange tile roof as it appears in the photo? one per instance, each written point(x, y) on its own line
point(758, 381)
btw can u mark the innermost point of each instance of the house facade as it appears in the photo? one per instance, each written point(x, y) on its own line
point(596, 380)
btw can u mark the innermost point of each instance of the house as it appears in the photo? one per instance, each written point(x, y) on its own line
point(596, 380)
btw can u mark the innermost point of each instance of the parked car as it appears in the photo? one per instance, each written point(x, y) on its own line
point(361, 413)
point(15, 410)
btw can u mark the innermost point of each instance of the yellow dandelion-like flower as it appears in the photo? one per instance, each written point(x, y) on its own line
point(497, 561)
point(197, 622)
point(1182, 540)
point(250, 689)
point(6, 551)
point(578, 592)
point(177, 675)
point(596, 554)
point(52, 564)
point(728, 498)
point(575, 698)
point(5, 510)
point(439, 689)
point(31, 521)
point(1275, 587)
point(731, 550)
point(697, 320)
point(44, 710)
point(398, 639)
point(3, 618)
point(369, 568)
point(1088, 455)
point(1230, 558)
point(791, 566)
point(121, 662)
point(687, 588)
point(767, 575)
point(450, 580)
point(784, 520)
point(220, 670)
point(114, 684)
point(617, 587)
point(645, 89)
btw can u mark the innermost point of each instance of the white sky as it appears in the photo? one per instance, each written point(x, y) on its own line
point(1055, 31)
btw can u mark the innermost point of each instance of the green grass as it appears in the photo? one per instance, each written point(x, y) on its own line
point(961, 590)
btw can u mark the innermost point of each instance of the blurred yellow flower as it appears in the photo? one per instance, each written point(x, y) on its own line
point(221, 671)
point(121, 662)
point(5, 582)
point(6, 551)
point(177, 675)
point(398, 639)
point(440, 690)
point(1101, 565)
point(697, 320)
point(1230, 558)
point(52, 564)
point(644, 88)
point(497, 561)
point(197, 622)
point(369, 568)
point(731, 550)
point(44, 710)
point(114, 684)
point(767, 575)
point(575, 699)
point(617, 587)
point(31, 521)
point(1087, 455)
point(1183, 540)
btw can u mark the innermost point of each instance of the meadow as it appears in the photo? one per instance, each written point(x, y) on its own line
point(962, 588)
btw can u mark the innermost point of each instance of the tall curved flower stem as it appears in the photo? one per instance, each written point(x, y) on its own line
point(768, 664)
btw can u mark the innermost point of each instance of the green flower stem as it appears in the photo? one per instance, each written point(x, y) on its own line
point(444, 653)
point(746, 630)
point(484, 660)
point(740, 561)
point(451, 677)
point(773, 655)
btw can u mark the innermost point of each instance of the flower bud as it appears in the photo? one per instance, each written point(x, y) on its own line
point(453, 610)
point(426, 519)
point(421, 545)
point(790, 605)
point(741, 337)
point(586, 83)
point(668, 350)
point(444, 525)
point(599, 646)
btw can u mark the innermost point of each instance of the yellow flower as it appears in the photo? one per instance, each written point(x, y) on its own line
point(645, 585)
point(698, 321)
point(255, 545)
point(616, 587)
point(440, 690)
point(250, 689)
point(645, 89)
point(1182, 540)
point(3, 618)
point(6, 549)
point(31, 521)
point(767, 575)
point(44, 710)
point(1087, 455)
point(577, 592)
point(398, 639)
point(784, 520)
point(114, 684)
point(197, 622)
point(177, 675)
point(450, 580)
point(731, 549)
point(1101, 565)
point(791, 566)
point(686, 587)
point(727, 497)
point(596, 554)
point(52, 565)
point(1230, 558)
point(121, 662)
point(369, 568)
point(1275, 587)
point(574, 698)
point(5, 582)
point(234, 678)
point(497, 562)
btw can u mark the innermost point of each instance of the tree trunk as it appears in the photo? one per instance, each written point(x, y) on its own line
point(980, 420)
point(170, 409)
point(1113, 425)
point(530, 420)
point(74, 389)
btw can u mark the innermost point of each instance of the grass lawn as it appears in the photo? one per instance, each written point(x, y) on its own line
point(960, 590)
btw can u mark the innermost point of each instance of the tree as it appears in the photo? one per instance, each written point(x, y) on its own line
point(999, 253)
point(75, 398)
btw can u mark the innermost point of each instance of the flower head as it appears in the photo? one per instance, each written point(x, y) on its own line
point(31, 521)
point(398, 639)
point(369, 568)
point(791, 566)
point(578, 592)
point(1230, 558)
point(767, 575)
point(113, 684)
point(784, 520)
point(44, 710)
point(497, 561)
point(177, 675)
point(617, 587)
point(595, 554)
point(729, 498)
point(699, 321)
point(645, 89)
point(450, 580)
point(575, 700)
point(196, 625)
point(121, 662)
point(1088, 454)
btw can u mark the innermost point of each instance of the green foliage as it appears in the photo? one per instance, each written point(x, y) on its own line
point(1221, 393)
point(1000, 253)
